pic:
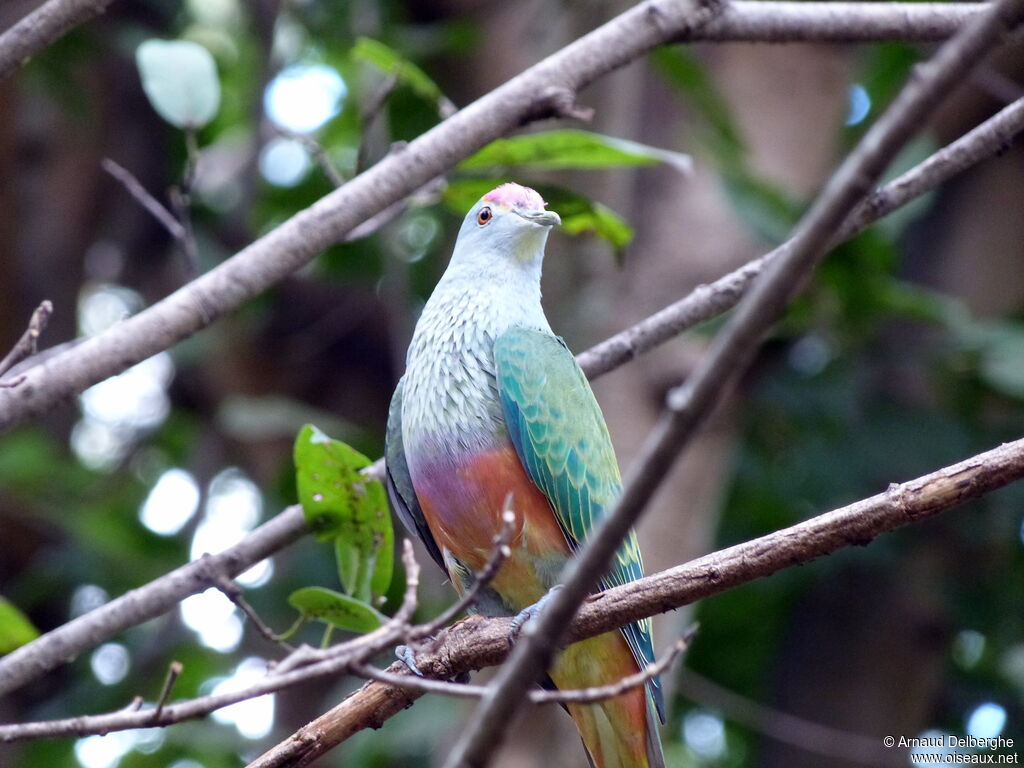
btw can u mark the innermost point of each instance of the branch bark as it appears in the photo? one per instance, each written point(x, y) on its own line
point(478, 642)
point(729, 355)
point(42, 27)
point(544, 90)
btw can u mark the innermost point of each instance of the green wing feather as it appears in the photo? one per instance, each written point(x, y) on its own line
point(562, 440)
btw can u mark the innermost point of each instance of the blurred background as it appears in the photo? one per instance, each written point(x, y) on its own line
point(905, 353)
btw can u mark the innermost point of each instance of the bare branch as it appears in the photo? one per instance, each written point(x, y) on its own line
point(43, 26)
point(478, 642)
point(317, 152)
point(777, 22)
point(26, 345)
point(708, 301)
point(730, 354)
point(527, 96)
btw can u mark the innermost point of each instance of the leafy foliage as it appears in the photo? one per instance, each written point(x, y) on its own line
point(15, 628)
point(343, 506)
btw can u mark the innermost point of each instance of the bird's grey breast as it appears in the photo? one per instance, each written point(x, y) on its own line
point(450, 401)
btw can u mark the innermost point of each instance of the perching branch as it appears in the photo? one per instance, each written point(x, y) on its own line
point(544, 90)
point(478, 642)
point(729, 355)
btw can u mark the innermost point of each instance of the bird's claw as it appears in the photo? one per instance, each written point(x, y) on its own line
point(407, 656)
point(528, 613)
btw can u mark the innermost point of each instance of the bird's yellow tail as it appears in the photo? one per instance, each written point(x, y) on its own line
point(619, 732)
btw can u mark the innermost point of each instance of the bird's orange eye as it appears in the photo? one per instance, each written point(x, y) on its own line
point(484, 216)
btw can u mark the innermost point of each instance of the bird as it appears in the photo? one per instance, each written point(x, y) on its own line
point(493, 403)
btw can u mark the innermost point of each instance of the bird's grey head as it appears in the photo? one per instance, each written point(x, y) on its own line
point(506, 228)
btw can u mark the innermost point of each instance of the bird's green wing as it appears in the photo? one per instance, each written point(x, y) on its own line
point(562, 440)
point(399, 482)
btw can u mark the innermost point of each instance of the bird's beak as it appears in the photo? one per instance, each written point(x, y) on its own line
point(544, 218)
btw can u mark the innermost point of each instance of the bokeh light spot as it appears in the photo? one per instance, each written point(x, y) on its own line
point(303, 97)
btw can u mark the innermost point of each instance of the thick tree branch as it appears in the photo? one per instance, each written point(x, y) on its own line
point(156, 598)
point(775, 22)
point(709, 301)
point(478, 642)
point(729, 355)
point(539, 92)
point(43, 26)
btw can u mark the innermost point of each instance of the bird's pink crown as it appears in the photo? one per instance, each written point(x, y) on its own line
point(517, 196)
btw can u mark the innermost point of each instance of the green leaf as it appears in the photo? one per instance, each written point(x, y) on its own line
point(570, 149)
point(342, 504)
point(579, 214)
point(336, 609)
point(15, 628)
point(180, 80)
point(390, 61)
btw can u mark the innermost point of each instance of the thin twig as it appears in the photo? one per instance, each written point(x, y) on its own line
point(26, 345)
point(234, 593)
point(317, 152)
point(359, 649)
point(142, 196)
point(173, 671)
point(729, 355)
point(181, 199)
point(368, 116)
point(629, 682)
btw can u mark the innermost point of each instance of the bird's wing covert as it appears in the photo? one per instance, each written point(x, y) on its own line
point(562, 440)
point(399, 482)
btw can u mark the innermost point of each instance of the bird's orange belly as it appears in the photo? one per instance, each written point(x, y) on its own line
point(462, 502)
